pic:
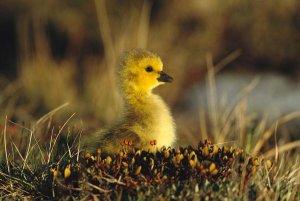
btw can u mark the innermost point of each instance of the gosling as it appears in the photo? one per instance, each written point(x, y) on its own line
point(146, 121)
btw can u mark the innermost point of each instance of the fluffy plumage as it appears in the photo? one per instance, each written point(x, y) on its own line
point(145, 116)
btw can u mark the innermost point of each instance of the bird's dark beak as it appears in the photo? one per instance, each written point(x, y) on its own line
point(164, 77)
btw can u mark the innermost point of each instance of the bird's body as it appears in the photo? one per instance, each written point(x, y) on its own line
point(145, 116)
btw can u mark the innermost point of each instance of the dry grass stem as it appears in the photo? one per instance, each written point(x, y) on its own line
point(227, 60)
point(268, 133)
point(143, 28)
point(283, 148)
point(98, 188)
point(50, 114)
point(212, 95)
point(52, 145)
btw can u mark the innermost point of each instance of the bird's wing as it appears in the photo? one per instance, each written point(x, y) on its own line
point(119, 135)
point(111, 140)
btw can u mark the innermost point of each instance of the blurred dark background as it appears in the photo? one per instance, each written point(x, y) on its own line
point(53, 52)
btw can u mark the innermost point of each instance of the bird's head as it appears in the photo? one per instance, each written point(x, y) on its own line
point(142, 71)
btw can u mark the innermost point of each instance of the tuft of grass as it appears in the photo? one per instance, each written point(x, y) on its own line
point(59, 169)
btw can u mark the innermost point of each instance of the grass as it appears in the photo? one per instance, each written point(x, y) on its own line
point(60, 170)
point(41, 157)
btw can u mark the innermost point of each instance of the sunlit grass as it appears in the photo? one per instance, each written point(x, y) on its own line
point(59, 169)
point(47, 108)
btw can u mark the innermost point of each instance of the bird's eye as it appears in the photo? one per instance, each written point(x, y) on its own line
point(149, 69)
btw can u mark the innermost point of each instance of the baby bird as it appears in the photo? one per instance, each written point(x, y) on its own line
point(145, 117)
